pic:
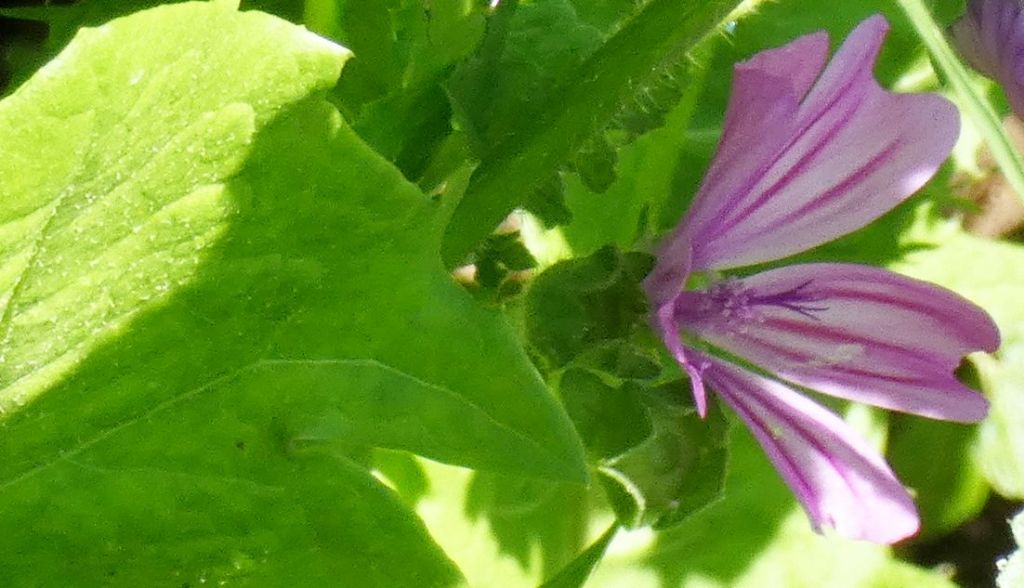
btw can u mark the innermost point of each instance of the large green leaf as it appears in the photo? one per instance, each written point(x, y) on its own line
point(213, 295)
point(56, 22)
point(62, 20)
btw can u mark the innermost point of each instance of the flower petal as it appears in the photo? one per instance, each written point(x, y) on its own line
point(990, 35)
point(790, 179)
point(766, 95)
point(840, 481)
point(665, 324)
point(975, 34)
point(850, 331)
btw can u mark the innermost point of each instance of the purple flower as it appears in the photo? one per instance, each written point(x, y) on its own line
point(811, 152)
point(990, 35)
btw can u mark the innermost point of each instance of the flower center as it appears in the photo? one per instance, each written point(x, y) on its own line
point(736, 304)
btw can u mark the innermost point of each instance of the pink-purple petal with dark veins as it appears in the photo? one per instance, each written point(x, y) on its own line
point(767, 90)
point(762, 114)
point(840, 481)
point(851, 331)
point(849, 153)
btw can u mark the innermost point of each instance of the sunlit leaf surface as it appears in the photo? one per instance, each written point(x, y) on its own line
point(215, 298)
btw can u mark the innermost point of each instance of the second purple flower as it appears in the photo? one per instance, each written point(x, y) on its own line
point(990, 35)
